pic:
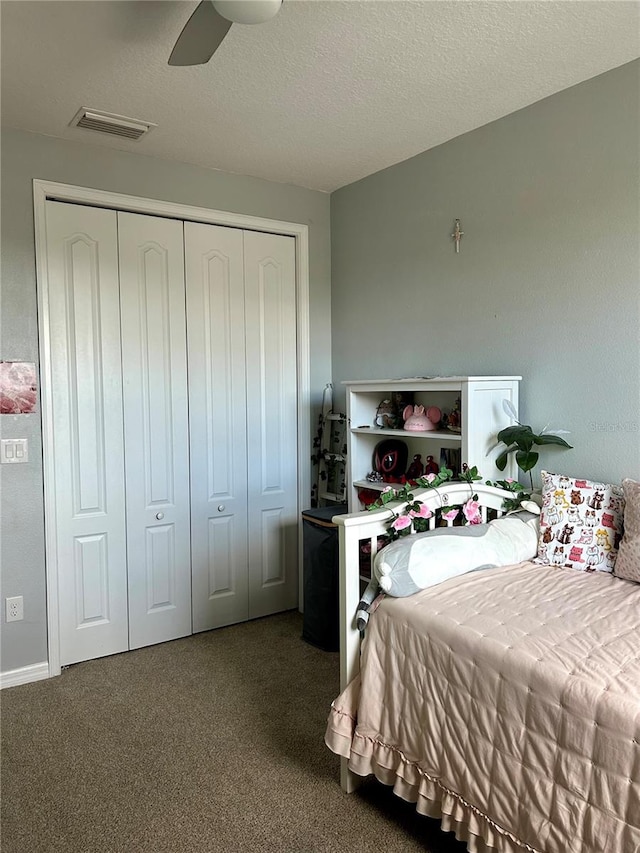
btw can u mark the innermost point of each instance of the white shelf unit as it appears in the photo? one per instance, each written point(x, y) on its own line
point(482, 416)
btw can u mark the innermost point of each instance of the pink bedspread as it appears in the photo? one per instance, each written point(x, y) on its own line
point(507, 702)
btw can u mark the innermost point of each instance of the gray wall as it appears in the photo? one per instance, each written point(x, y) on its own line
point(26, 156)
point(547, 282)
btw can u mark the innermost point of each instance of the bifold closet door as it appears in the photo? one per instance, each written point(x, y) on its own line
point(272, 434)
point(241, 321)
point(88, 519)
point(154, 369)
point(218, 412)
point(143, 480)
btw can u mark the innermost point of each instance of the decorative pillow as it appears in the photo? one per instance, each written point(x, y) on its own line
point(628, 559)
point(580, 523)
point(416, 562)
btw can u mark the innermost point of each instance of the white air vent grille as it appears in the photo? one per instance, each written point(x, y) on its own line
point(115, 125)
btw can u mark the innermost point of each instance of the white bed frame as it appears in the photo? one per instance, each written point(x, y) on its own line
point(368, 525)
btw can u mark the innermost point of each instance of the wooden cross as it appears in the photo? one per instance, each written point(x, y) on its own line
point(457, 235)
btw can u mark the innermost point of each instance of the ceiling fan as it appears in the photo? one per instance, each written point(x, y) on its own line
point(206, 28)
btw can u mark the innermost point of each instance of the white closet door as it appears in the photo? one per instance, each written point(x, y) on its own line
point(155, 427)
point(270, 296)
point(86, 390)
point(217, 409)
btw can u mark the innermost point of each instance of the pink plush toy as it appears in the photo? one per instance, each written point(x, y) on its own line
point(417, 420)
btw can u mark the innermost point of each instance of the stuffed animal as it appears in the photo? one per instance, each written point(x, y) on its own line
point(417, 420)
point(416, 562)
point(386, 415)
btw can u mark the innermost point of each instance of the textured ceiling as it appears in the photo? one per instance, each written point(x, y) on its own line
point(326, 93)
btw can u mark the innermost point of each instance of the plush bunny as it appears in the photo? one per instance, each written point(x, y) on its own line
point(417, 420)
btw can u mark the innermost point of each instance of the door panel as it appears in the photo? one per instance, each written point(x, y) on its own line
point(89, 516)
point(270, 297)
point(155, 427)
point(273, 527)
point(217, 408)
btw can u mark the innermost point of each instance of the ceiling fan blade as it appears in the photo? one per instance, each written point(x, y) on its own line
point(201, 36)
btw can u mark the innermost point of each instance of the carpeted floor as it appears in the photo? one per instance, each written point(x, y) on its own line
point(208, 744)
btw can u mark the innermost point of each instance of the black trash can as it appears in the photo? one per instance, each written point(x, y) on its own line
point(321, 625)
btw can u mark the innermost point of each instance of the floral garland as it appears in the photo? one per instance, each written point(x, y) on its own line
point(415, 516)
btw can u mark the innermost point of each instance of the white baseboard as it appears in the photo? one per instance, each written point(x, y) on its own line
point(24, 675)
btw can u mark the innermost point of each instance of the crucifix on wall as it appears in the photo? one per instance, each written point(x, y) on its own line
point(457, 235)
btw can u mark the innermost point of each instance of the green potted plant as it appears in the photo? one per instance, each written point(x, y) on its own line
point(521, 439)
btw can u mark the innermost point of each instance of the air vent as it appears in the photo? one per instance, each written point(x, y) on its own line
point(114, 125)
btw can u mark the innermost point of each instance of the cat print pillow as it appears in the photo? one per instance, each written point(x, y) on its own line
point(580, 523)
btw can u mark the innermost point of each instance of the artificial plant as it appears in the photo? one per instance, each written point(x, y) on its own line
point(521, 439)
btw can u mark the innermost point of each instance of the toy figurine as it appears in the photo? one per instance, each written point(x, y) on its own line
point(416, 469)
point(453, 418)
point(431, 466)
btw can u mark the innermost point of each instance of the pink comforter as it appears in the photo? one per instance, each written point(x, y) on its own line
point(507, 702)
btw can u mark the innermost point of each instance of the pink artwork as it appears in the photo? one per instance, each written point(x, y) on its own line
point(18, 390)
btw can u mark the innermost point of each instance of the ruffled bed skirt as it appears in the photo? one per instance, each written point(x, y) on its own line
point(367, 756)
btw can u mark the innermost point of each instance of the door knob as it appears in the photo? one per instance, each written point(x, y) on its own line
point(221, 508)
point(159, 515)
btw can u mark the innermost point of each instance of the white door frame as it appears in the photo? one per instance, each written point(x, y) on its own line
point(49, 190)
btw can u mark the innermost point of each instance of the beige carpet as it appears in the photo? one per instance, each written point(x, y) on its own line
point(208, 744)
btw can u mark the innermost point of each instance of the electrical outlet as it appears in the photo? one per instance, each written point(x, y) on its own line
point(15, 608)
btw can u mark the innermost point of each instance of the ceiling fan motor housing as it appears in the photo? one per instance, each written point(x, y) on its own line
point(247, 11)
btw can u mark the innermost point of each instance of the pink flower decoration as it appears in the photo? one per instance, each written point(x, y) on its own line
point(401, 522)
point(387, 488)
point(509, 480)
point(430, 478)
point(423, 512)
point(451, 515)
point(471, 512)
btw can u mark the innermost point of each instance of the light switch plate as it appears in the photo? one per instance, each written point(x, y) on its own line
point(14, 450)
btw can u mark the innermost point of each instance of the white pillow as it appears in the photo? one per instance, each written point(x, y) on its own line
point(416, 562)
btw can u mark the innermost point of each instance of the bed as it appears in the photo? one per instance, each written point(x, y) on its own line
point(505, 702)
